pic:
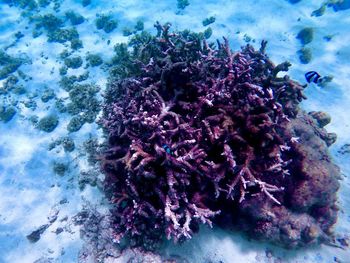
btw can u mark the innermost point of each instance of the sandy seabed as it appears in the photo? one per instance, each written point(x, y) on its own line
point(34, 194)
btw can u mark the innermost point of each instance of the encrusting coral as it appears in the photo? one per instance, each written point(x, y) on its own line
point(197, 133)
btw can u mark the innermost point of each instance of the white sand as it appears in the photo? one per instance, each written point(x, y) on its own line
point(29, 188)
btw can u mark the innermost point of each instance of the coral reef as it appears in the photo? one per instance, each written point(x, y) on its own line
point(99, 246)
point(67, 83)
point(75, 124)
point(83, 105)
point(66, 142)
point(139, 25)
point(97, 234)
point(8, 64)
point(337, 5)
point(306, 35)
point(94, 60)
point(53, 26)
point(75, 18)
point(182, 4)
point(60, 168)
point(48, 94)
point(63, 35)
point(23, 4)
point(6, 113)
point(106, 23)
point(208, 32)
point(73, 62)
point(208, 21)
point(86, 2)
point(199, 134)
point(44, 3)
point(305, 55)
point(127, 32)
point(48, 123)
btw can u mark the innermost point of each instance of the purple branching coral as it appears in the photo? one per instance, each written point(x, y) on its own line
point(198, 132)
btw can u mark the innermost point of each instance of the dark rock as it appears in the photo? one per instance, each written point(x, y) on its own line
point(35, 235)
point(322, 118)
point(320, 11)
point(344, 241)
point(63, 201)
point(59, 230)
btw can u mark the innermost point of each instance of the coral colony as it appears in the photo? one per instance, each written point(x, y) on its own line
point(199, 134)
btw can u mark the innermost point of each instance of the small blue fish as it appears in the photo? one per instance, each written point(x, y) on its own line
point(167, 149)
point(313, 76)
